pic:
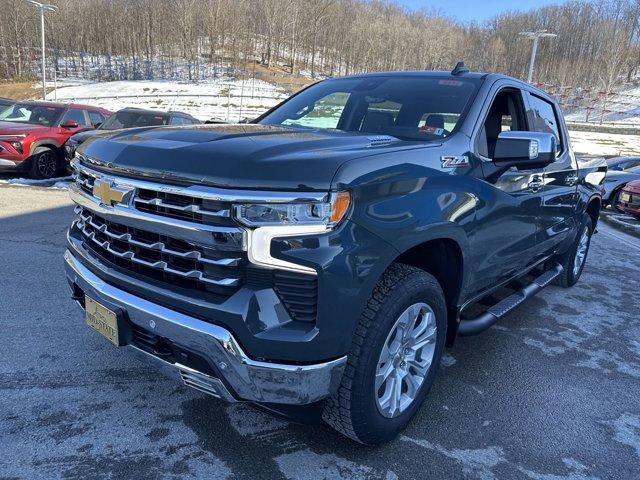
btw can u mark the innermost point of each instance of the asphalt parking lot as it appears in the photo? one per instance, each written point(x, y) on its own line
point(552, 392)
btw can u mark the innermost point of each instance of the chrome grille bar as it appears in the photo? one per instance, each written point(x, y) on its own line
point(158, 202)
point(87, 219)
point(89, 228)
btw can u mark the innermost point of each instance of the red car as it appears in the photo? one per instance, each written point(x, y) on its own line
point(629, 200)
point(32, 134)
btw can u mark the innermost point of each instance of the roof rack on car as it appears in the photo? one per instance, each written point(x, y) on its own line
point(459, 69)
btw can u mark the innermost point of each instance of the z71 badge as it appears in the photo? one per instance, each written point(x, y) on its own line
point(453, 161)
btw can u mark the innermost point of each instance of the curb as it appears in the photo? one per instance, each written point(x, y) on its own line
point(611, 220)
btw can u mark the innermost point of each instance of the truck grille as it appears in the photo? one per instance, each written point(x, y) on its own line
point(165, 204)
point(161, 257)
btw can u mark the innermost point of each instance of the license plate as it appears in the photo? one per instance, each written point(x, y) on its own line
point(101, 319)
point(625, 197)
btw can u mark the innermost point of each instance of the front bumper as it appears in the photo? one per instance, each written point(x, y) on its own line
point(633, 206)
point(234, 376)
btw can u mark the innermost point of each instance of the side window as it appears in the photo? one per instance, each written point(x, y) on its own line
point(74, 115)
point(505, 114)
point(178, 120)
point(96, 118)
point(545, 118)
point(324, 113)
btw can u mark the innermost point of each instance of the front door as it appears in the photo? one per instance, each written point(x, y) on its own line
point(507, 224)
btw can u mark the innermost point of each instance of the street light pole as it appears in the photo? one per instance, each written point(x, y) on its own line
point(43, 8)
point(535, 36)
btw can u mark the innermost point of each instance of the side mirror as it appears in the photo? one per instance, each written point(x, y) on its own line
point(525, 149)
point(70, 124)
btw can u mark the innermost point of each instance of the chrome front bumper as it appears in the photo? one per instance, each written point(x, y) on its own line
point(244, 379)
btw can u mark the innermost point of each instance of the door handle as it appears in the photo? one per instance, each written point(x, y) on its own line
point(535, 184)
point(571, 180)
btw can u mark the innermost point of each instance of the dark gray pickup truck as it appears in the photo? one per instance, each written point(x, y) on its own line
point(321, 257)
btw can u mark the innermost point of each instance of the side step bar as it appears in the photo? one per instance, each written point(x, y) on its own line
point(479, 324)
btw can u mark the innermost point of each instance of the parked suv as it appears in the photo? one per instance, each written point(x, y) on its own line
point(32, 134)
point(130, 118)
point(323, 255)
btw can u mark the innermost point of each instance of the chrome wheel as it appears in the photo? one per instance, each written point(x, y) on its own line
point(47, 164)
point(405, 359)
point(581, 251)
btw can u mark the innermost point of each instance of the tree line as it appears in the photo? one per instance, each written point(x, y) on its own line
point(598, 43)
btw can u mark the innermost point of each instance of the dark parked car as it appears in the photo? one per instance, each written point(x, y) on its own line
point(629, 199)
point(322, 256)
point(130, 118)
point(32, 134)
point(622, 170)
point(6, 102)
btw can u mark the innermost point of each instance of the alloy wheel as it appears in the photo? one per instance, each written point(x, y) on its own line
point(405, 359)
point(581, 251)
point(47, 164)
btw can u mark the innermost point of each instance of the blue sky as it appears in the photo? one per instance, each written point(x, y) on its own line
point(478, 10)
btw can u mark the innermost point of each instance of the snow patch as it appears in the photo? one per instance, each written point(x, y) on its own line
point(476, 463)
point(308, 465)
point(60, 183)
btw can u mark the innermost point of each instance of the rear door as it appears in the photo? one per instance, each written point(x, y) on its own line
point(560, 192)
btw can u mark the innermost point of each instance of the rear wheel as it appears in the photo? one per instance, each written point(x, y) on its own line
point(574, 259)
point(393, 359)
point(45, 163)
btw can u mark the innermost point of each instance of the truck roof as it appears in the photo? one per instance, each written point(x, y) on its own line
point(418, 73)
point(449, 75)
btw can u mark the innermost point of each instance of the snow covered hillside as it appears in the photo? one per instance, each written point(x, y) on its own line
point(619, 107)
point(229, 100)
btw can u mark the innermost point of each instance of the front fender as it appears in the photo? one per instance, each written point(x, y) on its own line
point(43, 141)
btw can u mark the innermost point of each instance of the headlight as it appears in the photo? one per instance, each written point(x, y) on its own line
point(279, 220)
point(290, 214)
point(17, 146)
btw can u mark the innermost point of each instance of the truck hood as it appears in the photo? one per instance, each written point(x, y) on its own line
point(252, 156)
point(14, 128)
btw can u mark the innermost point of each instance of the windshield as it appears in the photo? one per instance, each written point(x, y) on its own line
point(134, 119)
point(409, 108)
point(34, 114)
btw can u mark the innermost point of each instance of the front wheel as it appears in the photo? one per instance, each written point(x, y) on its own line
point(574, 259)
point(44, 163)
point(393, 359)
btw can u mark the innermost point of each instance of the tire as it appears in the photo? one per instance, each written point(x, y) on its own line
point(614, 201)
point(572, 271)
point(357, 409)
point(45, 163)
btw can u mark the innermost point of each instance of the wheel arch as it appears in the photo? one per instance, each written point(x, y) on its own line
point(444, 258)
point(45, 142)
point(593, 209)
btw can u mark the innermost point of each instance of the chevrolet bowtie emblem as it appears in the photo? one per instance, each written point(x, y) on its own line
point(109, 193)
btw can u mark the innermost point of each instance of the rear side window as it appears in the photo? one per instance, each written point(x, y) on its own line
point(178, 120)
point(73, 115)
point(545, 118)
point(96, 118)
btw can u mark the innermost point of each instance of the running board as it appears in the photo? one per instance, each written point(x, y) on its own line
point(479, 324)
